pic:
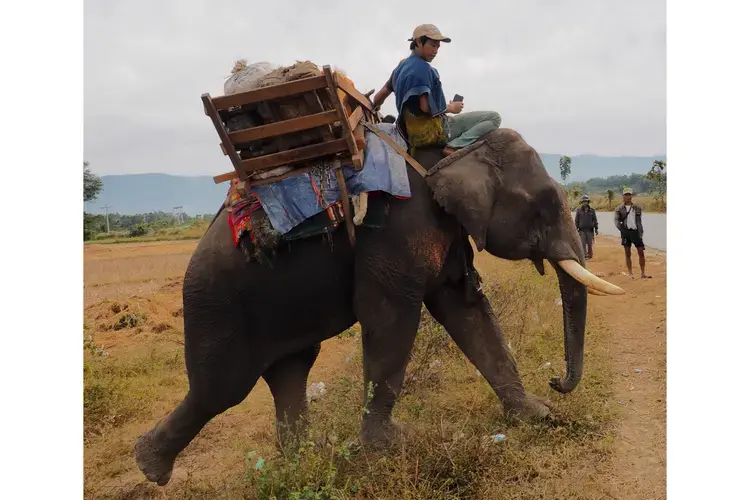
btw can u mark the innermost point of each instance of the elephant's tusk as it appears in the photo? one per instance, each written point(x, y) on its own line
point(594, 291)
point(585, 277)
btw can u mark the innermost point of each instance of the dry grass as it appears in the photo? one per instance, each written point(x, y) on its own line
point(135, 374)
point(120, 271)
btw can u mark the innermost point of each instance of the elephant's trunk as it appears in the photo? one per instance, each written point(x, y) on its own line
point(574, 297)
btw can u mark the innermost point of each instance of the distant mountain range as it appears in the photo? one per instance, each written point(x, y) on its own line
point(143, 193)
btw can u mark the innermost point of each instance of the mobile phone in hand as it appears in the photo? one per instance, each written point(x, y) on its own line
point(458, 98)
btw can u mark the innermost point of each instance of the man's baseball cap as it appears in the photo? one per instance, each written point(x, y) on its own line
point(627, 191)
point(584, 198)
point(430, 31)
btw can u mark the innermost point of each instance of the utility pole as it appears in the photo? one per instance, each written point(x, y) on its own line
point(106, 214)
point(178, 214)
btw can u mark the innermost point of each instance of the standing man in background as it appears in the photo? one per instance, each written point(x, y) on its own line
point(587, 225)
point(628, 222)
point(420, 101)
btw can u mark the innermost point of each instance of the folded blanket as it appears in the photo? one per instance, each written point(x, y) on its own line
point(291, 201)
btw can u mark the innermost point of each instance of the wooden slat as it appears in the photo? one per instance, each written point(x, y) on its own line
point(286, 175)
point(359, 134)
point(294, 155)
point(346, 130)
point(218, 179)
point(208, 105)
point(346, 205)
point(358, 160)
point(283, 127)
point(264, 182)
point(272, 109)
point(291, 173)
point(356, 117)
point(354, 93)
point(348, 137)
point(272, 92)
point(328, 130)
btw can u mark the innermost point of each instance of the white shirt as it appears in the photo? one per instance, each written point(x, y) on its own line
point(630, 219)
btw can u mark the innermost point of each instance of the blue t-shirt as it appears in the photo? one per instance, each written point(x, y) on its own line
point(413, 77)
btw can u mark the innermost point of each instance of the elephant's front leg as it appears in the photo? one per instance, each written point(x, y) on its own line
point(477, 333)
point(389, 327)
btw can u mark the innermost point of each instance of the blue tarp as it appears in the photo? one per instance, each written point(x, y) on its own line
point(293, 200)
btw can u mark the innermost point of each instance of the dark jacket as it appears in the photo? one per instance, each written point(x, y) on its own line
point(621, 213)
point(586, 220)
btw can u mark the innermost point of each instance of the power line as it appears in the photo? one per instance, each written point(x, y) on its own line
point(106, 214)
point(177, 212)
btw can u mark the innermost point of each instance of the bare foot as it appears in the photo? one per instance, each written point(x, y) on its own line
point(645, 276)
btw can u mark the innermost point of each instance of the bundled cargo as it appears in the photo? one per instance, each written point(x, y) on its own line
point(276, 122)
point(244, 77)
point(262, 75)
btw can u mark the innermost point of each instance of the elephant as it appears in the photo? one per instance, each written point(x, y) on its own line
point(246, 320)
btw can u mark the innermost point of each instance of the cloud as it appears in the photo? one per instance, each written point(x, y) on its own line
point(571, 76)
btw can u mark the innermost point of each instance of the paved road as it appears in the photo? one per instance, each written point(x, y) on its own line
point(654, 228)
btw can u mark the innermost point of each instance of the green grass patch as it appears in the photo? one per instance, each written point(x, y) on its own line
point(190, 232)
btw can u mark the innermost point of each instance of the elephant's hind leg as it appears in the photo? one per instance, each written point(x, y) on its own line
point(156, 450)
point(221, 376)
point(389, 328)
point(475, 330)
point(287, 379)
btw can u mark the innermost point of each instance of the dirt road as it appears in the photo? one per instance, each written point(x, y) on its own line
point(639, 354)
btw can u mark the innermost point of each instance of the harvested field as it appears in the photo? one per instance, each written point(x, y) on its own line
point(608, 441)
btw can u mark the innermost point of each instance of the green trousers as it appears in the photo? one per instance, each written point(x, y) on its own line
point(466, 128)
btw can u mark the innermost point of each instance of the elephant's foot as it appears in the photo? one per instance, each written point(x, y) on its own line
point(531, 409)
point(156, 468)
point(380, 435)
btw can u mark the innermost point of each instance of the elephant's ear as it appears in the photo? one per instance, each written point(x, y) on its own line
point(463, 184)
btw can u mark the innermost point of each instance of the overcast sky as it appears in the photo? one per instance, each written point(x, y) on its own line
point(572, 76)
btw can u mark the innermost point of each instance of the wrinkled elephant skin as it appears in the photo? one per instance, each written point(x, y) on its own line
point(246, 320)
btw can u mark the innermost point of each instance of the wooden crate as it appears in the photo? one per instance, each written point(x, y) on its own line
point(338, 121)
point(338, 118)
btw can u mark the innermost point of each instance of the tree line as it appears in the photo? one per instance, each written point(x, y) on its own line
point(132, 225)
point(637, 182)
point(140, 224)
point(654, 182)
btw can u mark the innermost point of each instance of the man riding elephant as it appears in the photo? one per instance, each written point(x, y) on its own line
point(422, 111)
